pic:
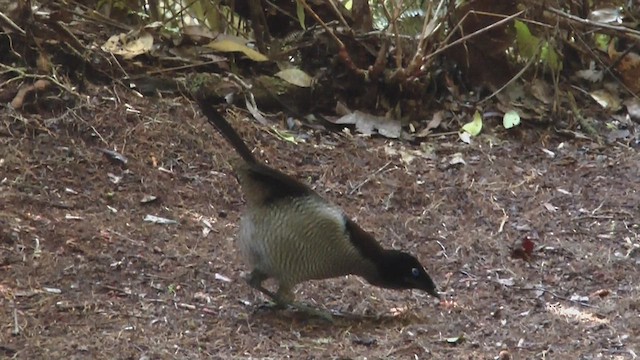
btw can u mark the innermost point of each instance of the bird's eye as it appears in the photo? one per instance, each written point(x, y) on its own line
point(415, 272)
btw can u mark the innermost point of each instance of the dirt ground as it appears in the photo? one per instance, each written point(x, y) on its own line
point(85, 276)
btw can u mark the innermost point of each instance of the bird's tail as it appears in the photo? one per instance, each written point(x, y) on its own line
point(222, 125)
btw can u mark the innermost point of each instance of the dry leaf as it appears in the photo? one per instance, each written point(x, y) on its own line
point(368, 123)
point(232, 46)
point(129, 45)
point(296, 77)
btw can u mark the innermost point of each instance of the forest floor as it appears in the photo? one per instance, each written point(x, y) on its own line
point(84, 275)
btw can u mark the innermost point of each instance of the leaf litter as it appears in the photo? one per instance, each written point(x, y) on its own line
point(170, 290)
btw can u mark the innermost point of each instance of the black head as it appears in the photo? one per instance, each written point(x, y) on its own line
point(399, 270)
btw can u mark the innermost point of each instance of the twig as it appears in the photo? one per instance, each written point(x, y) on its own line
point(125, 237)
point(23, 74)
point(555, 295)
point(606, 66)
point(503, 221)
point(393, 21)
point(181, 67)
point(79, 118)
point(586, 126)
point(447, 133)
point(11, 24)
point(357, 187)
point(16, 326)
point(514, 78)
point(428, 28)
point(473, 34)
point(344, 55)
point(339, 14)
point(444, 250)
point(97, 17)
point(634, 34)
point(597, 208)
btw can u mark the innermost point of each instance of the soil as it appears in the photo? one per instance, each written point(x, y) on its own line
point(84, 275)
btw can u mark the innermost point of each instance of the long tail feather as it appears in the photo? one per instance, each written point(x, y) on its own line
point(222, 125)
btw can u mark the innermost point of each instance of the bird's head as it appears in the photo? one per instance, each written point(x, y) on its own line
point(399, 270)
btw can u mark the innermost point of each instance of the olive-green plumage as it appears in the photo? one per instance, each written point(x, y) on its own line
point(291, 234)
point(298, 240)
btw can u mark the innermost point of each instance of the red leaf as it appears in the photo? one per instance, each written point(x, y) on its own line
point(523, 249)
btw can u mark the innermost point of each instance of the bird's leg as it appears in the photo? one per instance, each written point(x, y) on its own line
point(255, 280)
point(285, 296)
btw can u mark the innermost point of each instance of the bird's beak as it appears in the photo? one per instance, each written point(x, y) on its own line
point(430, 289)
point(434, 292)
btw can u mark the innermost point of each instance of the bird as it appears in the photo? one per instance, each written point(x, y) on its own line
point(289, 233)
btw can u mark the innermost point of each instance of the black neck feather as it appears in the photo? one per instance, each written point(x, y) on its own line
point(363, 241)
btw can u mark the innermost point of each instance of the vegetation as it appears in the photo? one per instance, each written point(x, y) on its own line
point(399, 60)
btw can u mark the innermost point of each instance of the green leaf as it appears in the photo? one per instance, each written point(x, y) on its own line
point(550, 56)
point(527, 43)
point(474, 127)
point(171, 289)
point(611, 126)
point(300, 14)
point(285, 135)
point(602, 41)
point(511, 119)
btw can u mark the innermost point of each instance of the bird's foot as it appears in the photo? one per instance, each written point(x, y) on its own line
point(271, 305)
point(312, 311)
point(283, 298)
point(299, 307)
